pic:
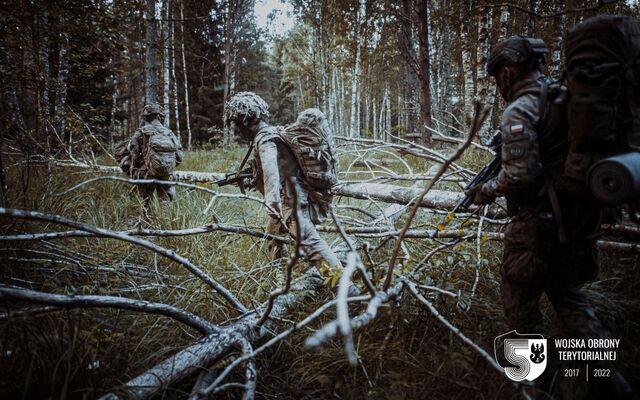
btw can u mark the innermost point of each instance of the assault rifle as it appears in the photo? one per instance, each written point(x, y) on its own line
point(486, 173)
point(239, 178)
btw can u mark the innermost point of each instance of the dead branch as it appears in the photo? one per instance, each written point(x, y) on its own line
point(213, 347)
point(57, 219)
point(479, 118)
point(140, 231)
point(66, 301)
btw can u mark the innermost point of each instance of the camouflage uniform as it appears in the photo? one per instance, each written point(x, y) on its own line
point(136, 148)
point(275, 164)
point(535, 261)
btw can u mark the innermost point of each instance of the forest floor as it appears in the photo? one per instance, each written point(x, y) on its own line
point(405, 353)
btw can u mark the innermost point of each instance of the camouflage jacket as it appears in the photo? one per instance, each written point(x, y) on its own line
point(531, 147)
point(137, 143)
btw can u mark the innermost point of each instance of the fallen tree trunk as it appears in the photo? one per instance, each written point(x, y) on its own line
point(381, 232)
point(214, 347)
point(435, 199)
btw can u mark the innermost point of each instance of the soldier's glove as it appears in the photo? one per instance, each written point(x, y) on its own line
point(479, 195)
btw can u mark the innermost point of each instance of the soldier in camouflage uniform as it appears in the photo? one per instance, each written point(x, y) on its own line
point(275, 164)
point(550, 243)
point(142, 159)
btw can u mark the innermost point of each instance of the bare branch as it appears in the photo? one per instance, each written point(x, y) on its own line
point(31, 296)
point(57, 219)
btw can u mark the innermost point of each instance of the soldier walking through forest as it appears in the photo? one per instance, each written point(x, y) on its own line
point(550, 243)
point(153, 152)
point(278, 157)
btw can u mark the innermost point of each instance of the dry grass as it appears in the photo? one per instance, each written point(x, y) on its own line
point(405, 353)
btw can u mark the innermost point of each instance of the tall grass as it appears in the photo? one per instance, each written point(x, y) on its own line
point(405, 353)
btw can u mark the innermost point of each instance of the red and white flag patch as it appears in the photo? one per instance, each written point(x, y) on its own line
point(518, 128)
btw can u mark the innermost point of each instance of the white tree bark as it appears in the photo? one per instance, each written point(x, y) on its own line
point(151, 65)
point(165, 63)
point(467, 65)
point(184, 76)
point(354, 126)
point(558, 33)
point(61, 95)
point(176, 110)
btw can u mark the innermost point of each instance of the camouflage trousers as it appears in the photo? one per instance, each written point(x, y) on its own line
point(535, 262)
point(312, 245)
point(165, 193)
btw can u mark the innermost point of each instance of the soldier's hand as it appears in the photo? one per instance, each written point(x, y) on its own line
point(479, 195)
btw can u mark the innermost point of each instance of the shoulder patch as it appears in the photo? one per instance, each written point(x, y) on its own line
point(516, 128)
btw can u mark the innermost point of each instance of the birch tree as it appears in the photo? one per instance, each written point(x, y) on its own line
point(151, 65)
point(425, 72)
point(184, 78)
point(354, 126)
point(165, 63)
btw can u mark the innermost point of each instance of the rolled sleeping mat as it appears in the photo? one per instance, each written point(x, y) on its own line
point(616, 180)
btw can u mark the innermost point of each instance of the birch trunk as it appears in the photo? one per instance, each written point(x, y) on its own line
point(558, 33)
point(151, 66)
point(165, 64)
point(425, 73)
point(483, 89)
point(354, 128)
point(467, 66)
point(184, 77)
point(176, 110)
point(61, 96)
point(409, 67)
point(228, 67)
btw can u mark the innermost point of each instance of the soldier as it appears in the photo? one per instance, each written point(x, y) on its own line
point(275, 165)
point(154, 153)
point(550, 243)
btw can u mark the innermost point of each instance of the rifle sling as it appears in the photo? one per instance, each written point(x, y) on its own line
point(244, 161)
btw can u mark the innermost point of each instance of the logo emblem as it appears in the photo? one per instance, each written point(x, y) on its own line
point(523, 357)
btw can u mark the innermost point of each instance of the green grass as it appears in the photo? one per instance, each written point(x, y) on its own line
point(405, 353)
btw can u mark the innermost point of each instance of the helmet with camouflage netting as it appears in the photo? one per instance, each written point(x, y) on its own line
point(245, 106)
point(516, 50)
point(152, 109)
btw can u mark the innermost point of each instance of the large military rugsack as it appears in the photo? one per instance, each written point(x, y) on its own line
point(159, 152)
point(603, 78)
point(312, 143)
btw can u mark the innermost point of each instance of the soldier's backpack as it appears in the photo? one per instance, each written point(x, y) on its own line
point(603, 79)
point(159, 151)
point(311, 141)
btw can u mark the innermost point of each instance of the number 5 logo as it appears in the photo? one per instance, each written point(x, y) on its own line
point(521, 356)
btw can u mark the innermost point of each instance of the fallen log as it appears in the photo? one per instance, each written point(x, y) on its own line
point(214, 347)
point(382, 232)
point(435, 199)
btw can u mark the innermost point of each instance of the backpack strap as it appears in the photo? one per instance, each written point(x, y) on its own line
point(548, 181)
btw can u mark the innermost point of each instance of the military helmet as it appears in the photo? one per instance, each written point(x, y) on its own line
point(152, 109)
point(246, 105)
point(516, 50)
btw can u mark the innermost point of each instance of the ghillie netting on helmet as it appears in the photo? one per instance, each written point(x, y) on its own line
point(246, 105)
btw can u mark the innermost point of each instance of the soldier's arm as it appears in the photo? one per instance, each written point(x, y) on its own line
point(520, 156)
point(271, 174)
point(135, 149)
point(179, 151)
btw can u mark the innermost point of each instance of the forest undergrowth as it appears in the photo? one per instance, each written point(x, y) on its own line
point(405, 353)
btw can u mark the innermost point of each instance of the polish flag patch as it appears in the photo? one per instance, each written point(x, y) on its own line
point(519, 128)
